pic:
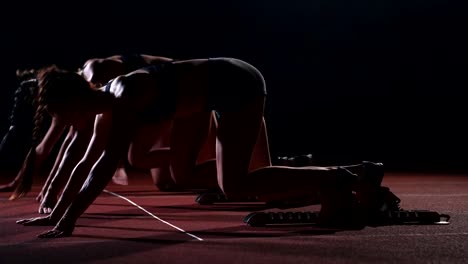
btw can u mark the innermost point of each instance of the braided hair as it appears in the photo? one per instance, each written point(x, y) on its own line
point(16, 142)
point(23, 117)
point(23, 107)
point(54, 87)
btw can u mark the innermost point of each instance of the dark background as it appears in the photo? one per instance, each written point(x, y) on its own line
point(347, 80)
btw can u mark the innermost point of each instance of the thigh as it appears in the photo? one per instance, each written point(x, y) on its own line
point(150, 136)
point(208, 150)
point(187, 138)
point(261, 153)
point(237, 135)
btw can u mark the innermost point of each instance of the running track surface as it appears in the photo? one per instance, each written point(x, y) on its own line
point(138, 224)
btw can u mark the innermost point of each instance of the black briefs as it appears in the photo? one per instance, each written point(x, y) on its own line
point(233, 84)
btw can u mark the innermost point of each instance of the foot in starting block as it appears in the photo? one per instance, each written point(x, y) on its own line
point(388, 212)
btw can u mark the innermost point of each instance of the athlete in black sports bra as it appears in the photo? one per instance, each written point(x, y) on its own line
point(133, 61)
point(99, 71)
point(239, 99)
point(95, 71)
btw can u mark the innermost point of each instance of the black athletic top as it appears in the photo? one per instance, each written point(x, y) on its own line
point(165, 103)
point(133, 62)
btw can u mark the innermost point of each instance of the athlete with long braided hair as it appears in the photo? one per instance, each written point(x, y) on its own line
point(26, 127)
point(96, 71)
point(29, 115)
point(187, 92)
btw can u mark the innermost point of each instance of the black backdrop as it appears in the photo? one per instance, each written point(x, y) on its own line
point(347, 80)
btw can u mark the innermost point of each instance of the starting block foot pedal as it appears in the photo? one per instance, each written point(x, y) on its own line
point(421, 217)
point(402, 217)
point(215, 198)
point(257, 219)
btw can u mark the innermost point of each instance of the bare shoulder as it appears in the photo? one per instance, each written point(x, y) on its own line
point(89, 62)
point(88, 68)
point(194, 62)
point(150, 59)
point(114, 57)
point(124, 84)
point(134, 90)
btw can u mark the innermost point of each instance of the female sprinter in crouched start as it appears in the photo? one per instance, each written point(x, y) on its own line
point(186, 92)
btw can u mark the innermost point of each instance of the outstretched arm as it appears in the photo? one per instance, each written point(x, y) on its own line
point(79, 174)
point(110, 147)
point(75, 149)
point(82, 169)
point(58, 159)
point(36, 158)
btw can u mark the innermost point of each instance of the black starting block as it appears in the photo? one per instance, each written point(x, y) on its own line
point(402, 217)
point(210, 198)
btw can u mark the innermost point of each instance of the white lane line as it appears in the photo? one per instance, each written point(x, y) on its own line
point(422, 182)
point(432, 195)
point(15, 244)
point(152, 215)
point(398, 235)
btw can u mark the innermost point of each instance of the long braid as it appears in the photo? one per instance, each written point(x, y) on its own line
point(26, 175)
point(23, 108)
point(39, 117)
point(51, 91)
point(17, 141)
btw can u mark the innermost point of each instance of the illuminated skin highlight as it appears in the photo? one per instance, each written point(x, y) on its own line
point(237, 133)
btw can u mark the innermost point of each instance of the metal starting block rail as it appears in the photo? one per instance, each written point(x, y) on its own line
point(389, 213)
point(220, 198)
point(402, 217)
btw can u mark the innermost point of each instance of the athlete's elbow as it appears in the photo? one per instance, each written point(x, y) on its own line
point(40, 153)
